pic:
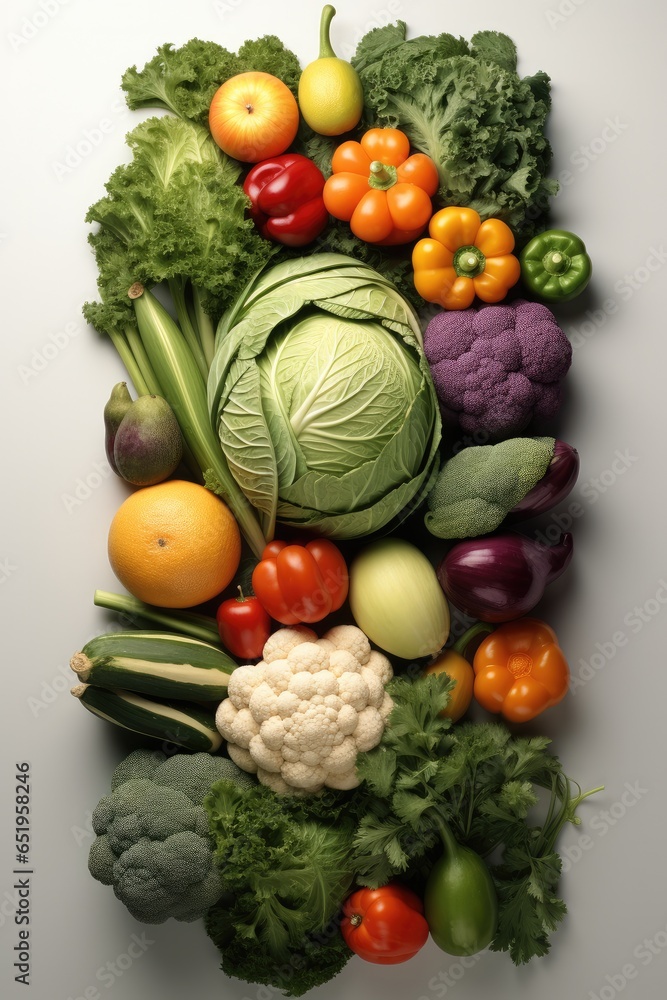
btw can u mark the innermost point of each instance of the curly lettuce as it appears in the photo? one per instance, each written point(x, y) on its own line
point(464, 105)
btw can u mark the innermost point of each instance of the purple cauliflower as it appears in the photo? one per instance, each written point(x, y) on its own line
point(497, 367)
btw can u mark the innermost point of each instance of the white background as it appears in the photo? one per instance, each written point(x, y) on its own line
point(606, 60)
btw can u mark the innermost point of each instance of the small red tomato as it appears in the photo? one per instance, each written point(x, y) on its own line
point(301, 583)
point(385, 925)
point(244, 626)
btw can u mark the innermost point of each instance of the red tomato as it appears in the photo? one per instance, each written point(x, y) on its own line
point(301, 583)
point(385, 925)
point(244, 626)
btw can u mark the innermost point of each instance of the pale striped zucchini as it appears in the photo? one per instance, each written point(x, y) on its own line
point(181, 723)
point(162, 664)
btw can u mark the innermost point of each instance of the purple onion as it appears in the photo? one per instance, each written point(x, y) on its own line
point(502, 577)
point(554, 486)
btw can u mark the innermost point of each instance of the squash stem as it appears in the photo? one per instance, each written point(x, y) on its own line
point(326, 51)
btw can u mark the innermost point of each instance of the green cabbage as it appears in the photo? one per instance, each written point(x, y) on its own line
point(323, 399)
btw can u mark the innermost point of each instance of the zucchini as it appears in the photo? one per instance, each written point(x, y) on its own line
point(173, 722)
point(162, 664)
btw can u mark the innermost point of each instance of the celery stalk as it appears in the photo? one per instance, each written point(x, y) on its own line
point(184, 389)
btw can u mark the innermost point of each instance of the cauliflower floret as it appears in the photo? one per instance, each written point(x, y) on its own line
point(308, 656)
point(342, 757)
point(304, 776)
point(375, 687)
point(243, 682)
point(287, 703)
point(369, 729)
point(344, 781)
point(224, 718)
point(274, 780)
point(300, 717)
point(386, 707)
point(268, 760)
point(263, 703)
point(303, 685)
point(242, 758)
point(352, 639)
point(353, 689)
point(243, 728)
point(380, 665)
point(273, 732)
point(277, 675)
point(279, 644)
point(348, 717)
point(342, 662)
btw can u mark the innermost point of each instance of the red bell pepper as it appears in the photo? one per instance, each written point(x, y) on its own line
point(301, 583)
point(244, 626)
point(286, 199)
point(385, 925)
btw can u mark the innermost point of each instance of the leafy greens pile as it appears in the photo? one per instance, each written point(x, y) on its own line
point(287, 864)
point(464, 105)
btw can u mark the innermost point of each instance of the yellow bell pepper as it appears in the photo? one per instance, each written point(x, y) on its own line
point(463, 258)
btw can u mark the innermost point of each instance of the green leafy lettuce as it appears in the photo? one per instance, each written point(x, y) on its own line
point(285, 871)
point(464, 105)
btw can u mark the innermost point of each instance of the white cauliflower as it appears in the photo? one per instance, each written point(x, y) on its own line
point(299, 718)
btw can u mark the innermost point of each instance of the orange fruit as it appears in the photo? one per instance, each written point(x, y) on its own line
point(174, 544)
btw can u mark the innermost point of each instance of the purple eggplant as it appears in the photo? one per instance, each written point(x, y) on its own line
point(501, 577)
point(554, 486)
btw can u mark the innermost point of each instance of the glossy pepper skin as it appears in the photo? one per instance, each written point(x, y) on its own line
point(286, 199)
point(385, 926)
point(460, 900)
point(520, 670)
point(301, 583)
point(383, 192)
point(244, 626)
point(464, 257)
point(555, 266)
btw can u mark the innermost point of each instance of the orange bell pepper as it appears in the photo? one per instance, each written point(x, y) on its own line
point(382, 191)
point(520, 670)
point(465, 257)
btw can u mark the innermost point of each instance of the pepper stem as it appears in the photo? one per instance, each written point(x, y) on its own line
point(449, 841)
point(326, 51)
point(241, 597)
point(462, 644)
point(556, 262)
point(468, 262)
point(383, 175)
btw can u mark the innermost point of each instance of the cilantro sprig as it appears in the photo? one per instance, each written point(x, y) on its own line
point(480, 780)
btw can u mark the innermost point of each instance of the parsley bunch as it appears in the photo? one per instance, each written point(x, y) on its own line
point(481, 781)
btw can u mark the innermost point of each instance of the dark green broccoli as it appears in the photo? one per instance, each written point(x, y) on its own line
point(153, 843)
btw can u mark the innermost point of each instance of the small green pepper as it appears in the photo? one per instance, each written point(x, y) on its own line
point(460, 902)
point(555, 266)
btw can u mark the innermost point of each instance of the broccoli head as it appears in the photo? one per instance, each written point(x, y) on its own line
point(498, 367)
point(153, 843)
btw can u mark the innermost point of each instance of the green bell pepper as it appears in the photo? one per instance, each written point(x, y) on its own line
point(555, 266)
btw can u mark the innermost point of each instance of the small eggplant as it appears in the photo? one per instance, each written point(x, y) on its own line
point(554, 486)
point(502, 577)
point(115, 409)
